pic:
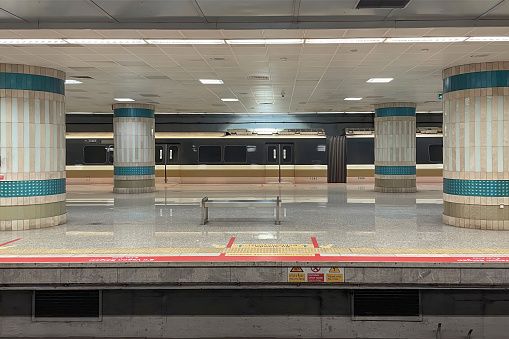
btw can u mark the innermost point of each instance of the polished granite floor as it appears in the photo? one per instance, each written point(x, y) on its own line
point(350, 218)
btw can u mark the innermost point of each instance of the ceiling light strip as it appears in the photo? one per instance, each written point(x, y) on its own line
point(250, 41)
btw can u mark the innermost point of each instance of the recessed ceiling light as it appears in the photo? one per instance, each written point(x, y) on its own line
point(106, 41)
point(70, 82)
point(346, 41)
point(31, 41)
point(489, 38)
point(124, 99)
point(380, 80)
point(264, 41)
point(184, 42)
point(229, 99)
point(353, 99)
point(211, 81)
point(435, 39)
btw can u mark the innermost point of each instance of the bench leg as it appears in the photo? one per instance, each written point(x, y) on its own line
point(204, 214)
point(277, 213)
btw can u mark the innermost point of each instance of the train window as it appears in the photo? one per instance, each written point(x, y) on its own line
point(173, 154)
point(209, 154)
point(237, 154)
point(435, 153)
point(94, 154)
point(287, 153)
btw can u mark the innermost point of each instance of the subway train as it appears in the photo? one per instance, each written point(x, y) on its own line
point(221, 158)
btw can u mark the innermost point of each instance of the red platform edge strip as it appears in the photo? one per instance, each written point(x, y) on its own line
point(304, 259)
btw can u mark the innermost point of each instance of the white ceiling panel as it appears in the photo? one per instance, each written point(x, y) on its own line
point(228, 8)
point(54, 10)
point(150, 10)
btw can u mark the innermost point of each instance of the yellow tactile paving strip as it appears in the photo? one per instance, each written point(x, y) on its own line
point(250, 250)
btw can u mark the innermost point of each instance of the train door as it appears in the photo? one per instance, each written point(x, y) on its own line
point(167, 159)
point(279, 163)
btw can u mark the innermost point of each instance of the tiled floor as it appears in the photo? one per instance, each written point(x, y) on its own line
point(345, 220)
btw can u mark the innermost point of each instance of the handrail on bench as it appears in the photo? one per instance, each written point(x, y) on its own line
point(205, 206)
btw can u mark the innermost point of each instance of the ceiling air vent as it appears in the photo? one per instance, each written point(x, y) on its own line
point(382, 4)
point(66, 304)
point(386, 303)
point(258, 77)
point(81, 77)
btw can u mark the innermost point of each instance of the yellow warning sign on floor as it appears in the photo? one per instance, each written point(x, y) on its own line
point(299, 274)
point(273, 246)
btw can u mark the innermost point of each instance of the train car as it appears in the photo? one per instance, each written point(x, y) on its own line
point(207, 158)
point(193, 158)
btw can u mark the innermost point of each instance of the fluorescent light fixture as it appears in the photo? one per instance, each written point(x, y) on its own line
point(353, 99)
point(346, 41)
point(31, 41)
point(359, 112)
point(489, 38)
point(265, 41)
point(229, 99)
point(71, 82)
point(435, 39)
point(380, 80)
point(106, 41)
point(123, 99)
point(211, 81)
point(184, 42)
point(265, 131)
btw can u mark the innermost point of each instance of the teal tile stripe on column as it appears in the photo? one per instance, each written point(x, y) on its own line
point(133, 113)
point(477, 188)
point(395, 112)
point(31, 82)
point(395, 170)
point(31, 188)
point(134, 170)
point(485, 79)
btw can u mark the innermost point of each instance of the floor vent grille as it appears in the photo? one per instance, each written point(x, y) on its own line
point(67, 304)
point(386, 303)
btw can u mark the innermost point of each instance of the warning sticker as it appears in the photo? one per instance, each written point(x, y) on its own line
point(2, 177)
point(316, 274)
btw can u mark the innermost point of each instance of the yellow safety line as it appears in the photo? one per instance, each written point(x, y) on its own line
point(267, 250)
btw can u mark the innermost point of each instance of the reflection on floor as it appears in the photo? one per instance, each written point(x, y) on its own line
point(316, 220)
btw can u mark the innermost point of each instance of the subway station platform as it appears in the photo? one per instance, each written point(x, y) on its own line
point(367, 237)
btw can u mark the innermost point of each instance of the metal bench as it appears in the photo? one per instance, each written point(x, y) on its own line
point(206, 203)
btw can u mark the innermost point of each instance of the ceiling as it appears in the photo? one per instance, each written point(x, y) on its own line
point(313, 77)
point(260, 14)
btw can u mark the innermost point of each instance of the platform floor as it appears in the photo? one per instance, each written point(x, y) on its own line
point(343, 222)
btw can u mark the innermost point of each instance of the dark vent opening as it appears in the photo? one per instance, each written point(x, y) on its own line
point(258, 77)
point(386, 303)
point(66, 304)
point(81, 77)
point(382, 4)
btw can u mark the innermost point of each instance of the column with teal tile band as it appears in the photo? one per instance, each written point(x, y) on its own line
point(134, 156)
point(395, 147)
point(32, 147)
point(476, 157)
